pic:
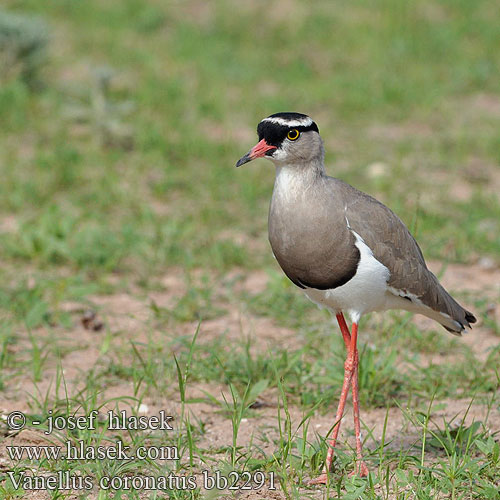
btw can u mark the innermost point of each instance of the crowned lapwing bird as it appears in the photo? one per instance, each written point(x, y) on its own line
point(347, 251)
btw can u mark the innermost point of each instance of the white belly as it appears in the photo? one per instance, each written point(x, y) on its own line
point(366, 291)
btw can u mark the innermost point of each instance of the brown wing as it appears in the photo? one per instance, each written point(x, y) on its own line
point(394, 246)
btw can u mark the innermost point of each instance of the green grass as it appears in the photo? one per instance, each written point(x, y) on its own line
point(117, 170)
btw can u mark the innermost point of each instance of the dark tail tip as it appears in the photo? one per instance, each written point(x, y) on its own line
point(470, 317)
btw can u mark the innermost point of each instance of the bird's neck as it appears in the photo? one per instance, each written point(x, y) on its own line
point(295, 180)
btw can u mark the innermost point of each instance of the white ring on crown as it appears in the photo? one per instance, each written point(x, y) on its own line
point(301, 122)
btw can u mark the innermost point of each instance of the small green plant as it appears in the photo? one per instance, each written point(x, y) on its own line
point(23, 44)
point(104, 117)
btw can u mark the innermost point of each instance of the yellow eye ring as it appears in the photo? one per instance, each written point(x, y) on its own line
point(293, 135)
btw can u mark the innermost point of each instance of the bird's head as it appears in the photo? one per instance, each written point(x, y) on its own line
point(286, 138)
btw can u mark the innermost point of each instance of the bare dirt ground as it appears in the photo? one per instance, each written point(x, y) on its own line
point(128, 317)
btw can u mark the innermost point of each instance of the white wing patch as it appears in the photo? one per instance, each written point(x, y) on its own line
point(414, 304)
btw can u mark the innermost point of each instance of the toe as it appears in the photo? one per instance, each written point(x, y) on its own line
point(321, 479)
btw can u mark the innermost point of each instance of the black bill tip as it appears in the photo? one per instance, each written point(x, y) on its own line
point(244, 159)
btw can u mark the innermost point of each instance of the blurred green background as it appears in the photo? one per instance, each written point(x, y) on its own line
point(118, 140)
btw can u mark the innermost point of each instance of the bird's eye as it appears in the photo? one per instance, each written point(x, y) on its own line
point(293, 135)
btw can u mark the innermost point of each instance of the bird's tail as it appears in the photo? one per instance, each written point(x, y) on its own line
point(451, 314)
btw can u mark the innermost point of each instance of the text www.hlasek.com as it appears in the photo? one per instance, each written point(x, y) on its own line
point(81, 451)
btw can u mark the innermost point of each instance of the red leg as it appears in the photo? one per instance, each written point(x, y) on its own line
point(350, 376)
point(361, 468)
point(344, 329)
point(349, 368)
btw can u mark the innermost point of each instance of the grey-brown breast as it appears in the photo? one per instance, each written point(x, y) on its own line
point(311, 241)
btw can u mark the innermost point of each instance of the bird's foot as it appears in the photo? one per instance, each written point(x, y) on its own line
point(361, 470)
point(321, 479)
